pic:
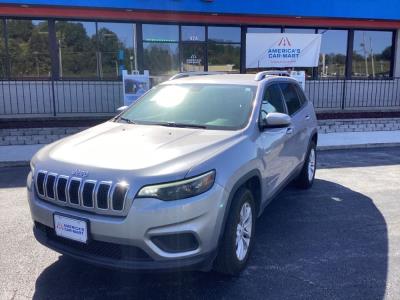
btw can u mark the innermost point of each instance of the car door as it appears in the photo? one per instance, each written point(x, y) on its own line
point(272, 142)
point(296, 145)
point(306, 117)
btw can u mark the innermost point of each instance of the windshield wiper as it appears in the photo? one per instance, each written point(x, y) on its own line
point(126, 120)
point(181, 125)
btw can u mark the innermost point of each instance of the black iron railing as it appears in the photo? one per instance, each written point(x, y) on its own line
point(354, 94)
point(59, 98)
point(23, 98)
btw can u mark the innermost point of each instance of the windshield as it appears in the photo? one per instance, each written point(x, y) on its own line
point(211, 106)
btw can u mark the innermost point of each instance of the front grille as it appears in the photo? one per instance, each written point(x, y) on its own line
point(98, 196)
point(95, 248)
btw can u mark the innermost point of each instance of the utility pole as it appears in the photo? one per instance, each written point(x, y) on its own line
point(365, 55)
point(134, 48)
point(60, 58)
point(372, 56)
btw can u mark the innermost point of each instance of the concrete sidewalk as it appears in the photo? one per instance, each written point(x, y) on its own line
point(21, 154)
point(347, 140)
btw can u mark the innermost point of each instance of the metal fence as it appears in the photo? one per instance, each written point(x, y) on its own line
point(355, 94)
point(22, 98)
point(37, 98)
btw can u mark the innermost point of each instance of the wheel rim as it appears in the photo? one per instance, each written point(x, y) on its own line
point(311, 165)
point(243, 231)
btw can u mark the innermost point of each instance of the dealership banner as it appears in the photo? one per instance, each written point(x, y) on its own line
point(282, 50)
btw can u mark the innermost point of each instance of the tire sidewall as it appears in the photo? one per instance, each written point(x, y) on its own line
point(232, 265)
point(312, 146)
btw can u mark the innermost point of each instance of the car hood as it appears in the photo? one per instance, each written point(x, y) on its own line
point(147, 149)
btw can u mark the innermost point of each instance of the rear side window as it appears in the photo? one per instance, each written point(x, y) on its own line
point(291, 97)
point(300, 92)
point(272, 100)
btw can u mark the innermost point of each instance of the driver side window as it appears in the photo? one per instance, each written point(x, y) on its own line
point(272, 100)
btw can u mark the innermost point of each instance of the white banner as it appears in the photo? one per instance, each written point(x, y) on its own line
point(282, 50)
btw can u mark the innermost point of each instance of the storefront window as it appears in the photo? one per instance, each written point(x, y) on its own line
point(160, 33)
point(372, 53)
point(161, 50)
point(116, 50)
point(224, 49)
point(161, 58)
point(224, 34)
point(77, 49)
point(332, 60)
point(224, 57)
point(193, 33)
point(28, 48)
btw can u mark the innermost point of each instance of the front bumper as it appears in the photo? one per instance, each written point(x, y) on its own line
point(115, 241)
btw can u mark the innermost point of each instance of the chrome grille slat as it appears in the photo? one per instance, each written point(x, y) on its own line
point(99, 195)
point(118, 198)
point(103, 197)
point(49, 185)
point(39, 183)
point(92, 191)
point(62, 194)
point(74, 186)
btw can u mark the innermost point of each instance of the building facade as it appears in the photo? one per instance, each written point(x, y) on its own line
point(65, 58)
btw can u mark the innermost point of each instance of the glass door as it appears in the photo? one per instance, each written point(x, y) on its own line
point(192, 57)
point(193, 48)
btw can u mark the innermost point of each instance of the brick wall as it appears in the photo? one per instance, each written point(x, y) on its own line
point(29, 136)
point(359, 125)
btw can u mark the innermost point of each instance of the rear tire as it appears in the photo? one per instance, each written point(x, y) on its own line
point(238, 237)
point(306, 177)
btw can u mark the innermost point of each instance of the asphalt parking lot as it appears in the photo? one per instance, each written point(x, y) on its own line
point(339, 240)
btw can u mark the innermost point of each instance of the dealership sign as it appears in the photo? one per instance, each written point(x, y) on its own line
point(282, 50)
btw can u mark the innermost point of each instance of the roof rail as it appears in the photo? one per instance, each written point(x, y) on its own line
point(261, 75)
point(190, 74)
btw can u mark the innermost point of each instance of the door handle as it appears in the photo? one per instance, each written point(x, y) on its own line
point(289, 130)
point(307, 117)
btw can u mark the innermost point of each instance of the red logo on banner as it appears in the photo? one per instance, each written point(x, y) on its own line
point(285, 42)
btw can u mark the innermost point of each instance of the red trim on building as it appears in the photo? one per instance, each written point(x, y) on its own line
point(146, 16)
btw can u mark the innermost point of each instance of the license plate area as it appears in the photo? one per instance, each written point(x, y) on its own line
point(71, 228)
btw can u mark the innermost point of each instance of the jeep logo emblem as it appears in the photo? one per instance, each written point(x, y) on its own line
point(80, 173)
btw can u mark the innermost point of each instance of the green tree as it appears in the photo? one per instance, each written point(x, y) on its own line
point(78, 50)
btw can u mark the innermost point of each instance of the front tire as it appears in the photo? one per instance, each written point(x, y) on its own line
point(306, 177)
point(238, 237)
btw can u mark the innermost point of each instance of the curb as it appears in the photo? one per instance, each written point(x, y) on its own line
point(8, 164)
point(358, 146)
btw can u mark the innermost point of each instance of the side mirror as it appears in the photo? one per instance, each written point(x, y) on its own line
point(274, 120)
point(122, 108)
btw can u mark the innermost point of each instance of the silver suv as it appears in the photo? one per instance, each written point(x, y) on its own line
point(178, 179)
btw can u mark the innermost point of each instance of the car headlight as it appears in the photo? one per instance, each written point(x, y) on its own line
point(179, 189)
